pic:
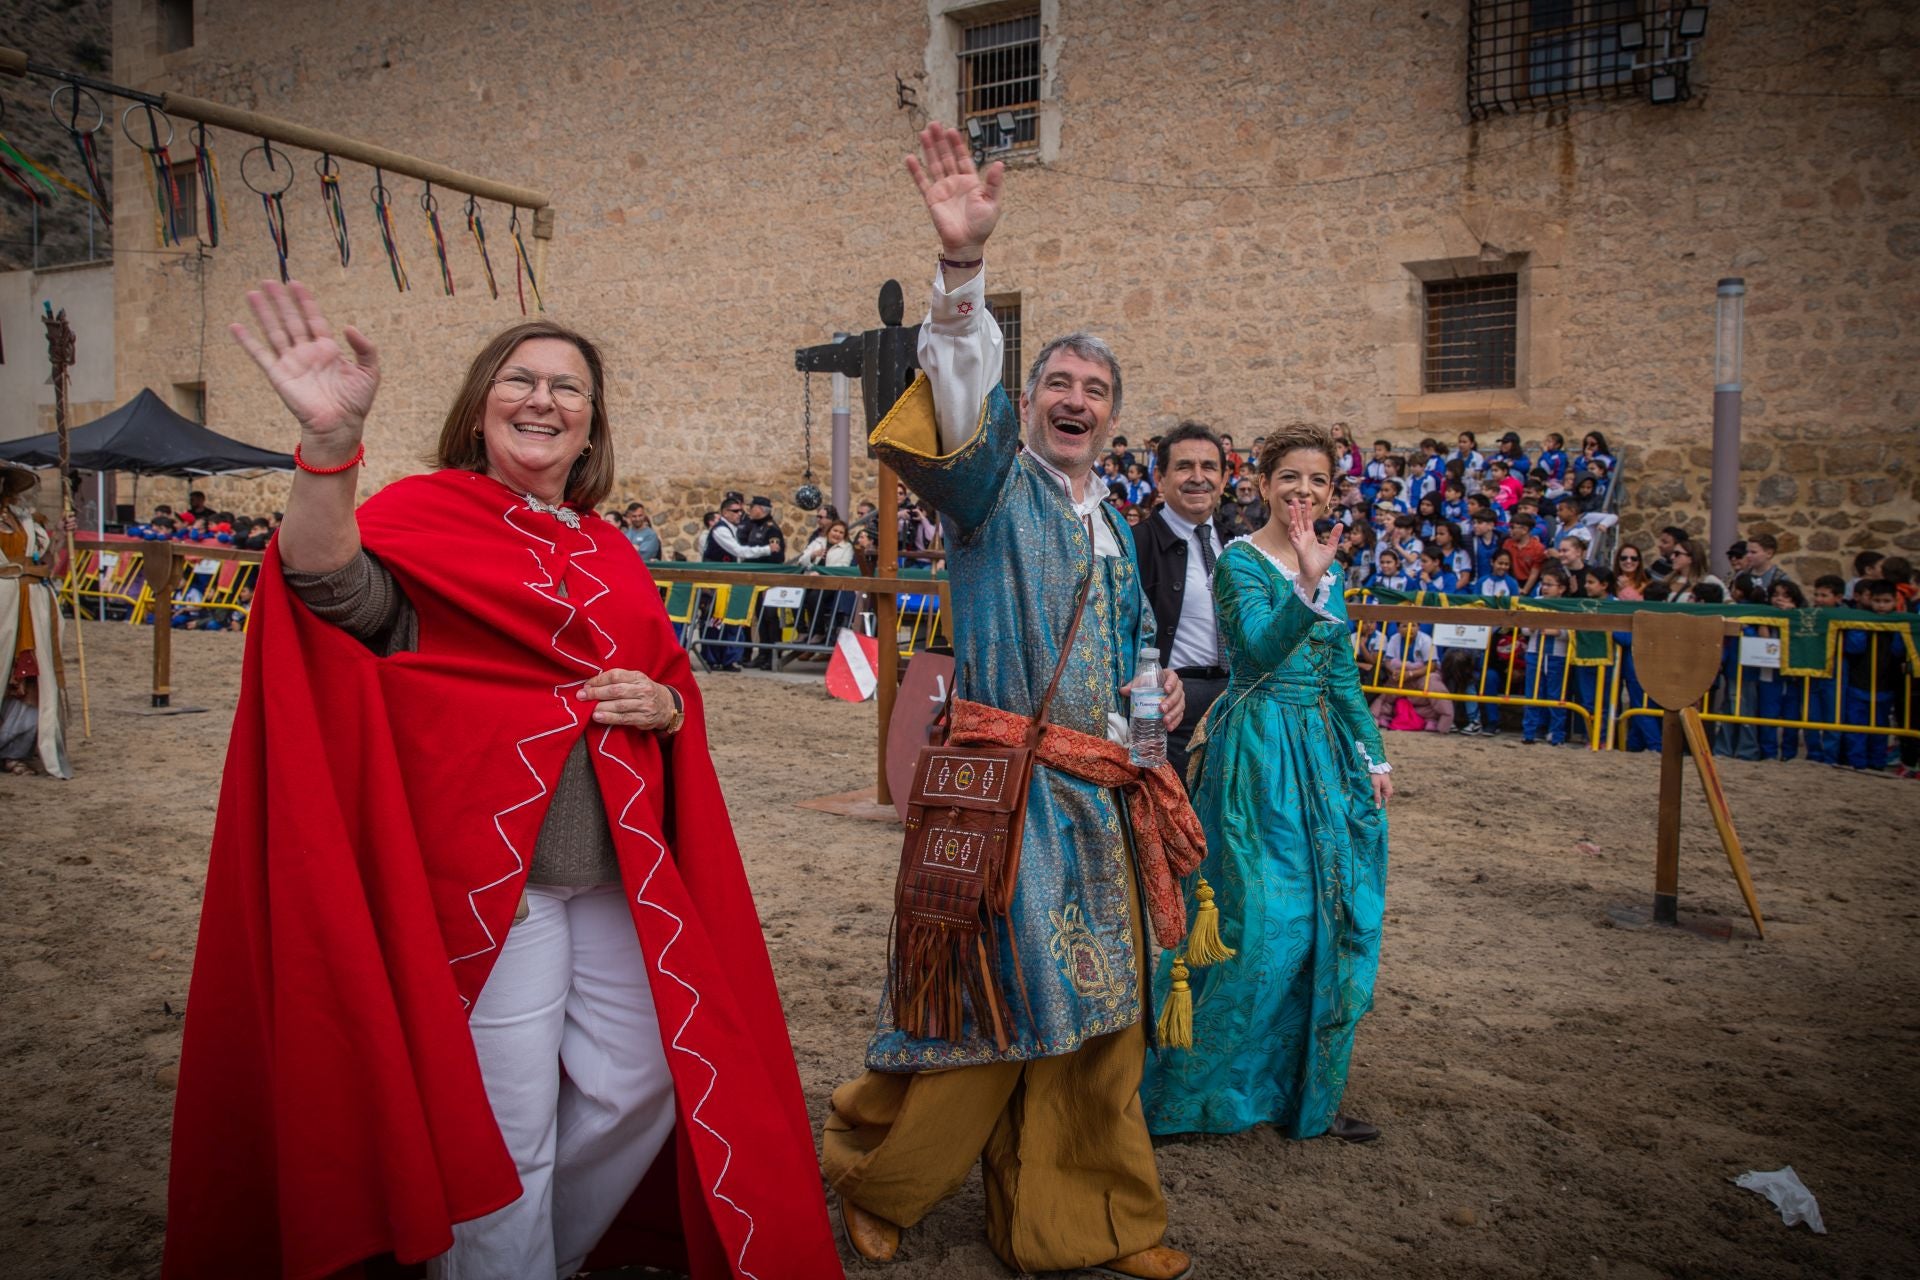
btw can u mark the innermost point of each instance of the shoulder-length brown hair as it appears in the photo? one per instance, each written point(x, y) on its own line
point(462, 446)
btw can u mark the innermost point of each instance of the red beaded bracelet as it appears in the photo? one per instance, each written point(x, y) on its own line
point(358, 457)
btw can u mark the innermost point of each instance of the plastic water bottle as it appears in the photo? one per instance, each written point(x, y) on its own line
point(1145, 725)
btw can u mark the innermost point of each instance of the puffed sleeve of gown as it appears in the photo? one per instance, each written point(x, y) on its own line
point(1348, 704)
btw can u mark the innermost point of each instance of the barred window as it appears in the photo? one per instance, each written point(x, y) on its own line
point(1005, 308)
point(1000, 79)
point(1472, 333)
point(1528, 54)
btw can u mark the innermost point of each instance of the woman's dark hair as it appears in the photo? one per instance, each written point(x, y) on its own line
point(1792, 588)
point(1599, 440)
point(462, 447)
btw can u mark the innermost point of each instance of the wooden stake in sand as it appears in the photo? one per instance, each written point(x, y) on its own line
point(60, 347)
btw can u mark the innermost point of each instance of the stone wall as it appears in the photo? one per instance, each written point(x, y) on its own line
point(1241, 199)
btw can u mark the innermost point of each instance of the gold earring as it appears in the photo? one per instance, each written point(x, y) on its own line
point(589, 449)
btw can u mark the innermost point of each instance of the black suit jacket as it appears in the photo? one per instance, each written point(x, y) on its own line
point(1163, 575)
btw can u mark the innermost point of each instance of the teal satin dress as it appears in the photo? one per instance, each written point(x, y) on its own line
point(1297, 857)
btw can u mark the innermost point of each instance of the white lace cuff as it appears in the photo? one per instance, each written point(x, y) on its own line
point(1373, 766)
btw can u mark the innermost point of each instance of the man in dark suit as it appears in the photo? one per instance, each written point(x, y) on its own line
point(762, 530)
point(1178, 546)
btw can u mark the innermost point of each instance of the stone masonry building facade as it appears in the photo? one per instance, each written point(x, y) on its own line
point(1413, 218)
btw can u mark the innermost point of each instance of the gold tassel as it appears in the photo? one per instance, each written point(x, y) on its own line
point(1176, 1016)
point(1203, 940)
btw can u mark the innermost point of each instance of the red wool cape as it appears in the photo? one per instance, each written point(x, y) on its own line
point(376, 820)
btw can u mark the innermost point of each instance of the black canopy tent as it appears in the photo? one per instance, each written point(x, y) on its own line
point(147, 438)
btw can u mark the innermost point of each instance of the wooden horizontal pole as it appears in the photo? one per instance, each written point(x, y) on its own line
point(345, 148)
point(15, 62)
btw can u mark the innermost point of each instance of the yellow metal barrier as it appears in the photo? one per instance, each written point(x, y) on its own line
point(1499, 690)
point(107, 575)
point(1826, 733)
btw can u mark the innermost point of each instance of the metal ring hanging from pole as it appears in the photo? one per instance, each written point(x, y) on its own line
point(83, 143)
point(271, 202)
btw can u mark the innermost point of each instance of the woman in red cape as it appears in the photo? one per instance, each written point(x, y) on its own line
point(398, 860)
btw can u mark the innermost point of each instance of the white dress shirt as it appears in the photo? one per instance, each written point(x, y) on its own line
point(960, 347)
point(724, 536)
point(1196, 639)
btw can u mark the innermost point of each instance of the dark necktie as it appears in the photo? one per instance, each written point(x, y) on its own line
point(1204, 535)
point(1207, 559)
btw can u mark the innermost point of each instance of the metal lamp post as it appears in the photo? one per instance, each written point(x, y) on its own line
point(1729, 343)
point(842, 444)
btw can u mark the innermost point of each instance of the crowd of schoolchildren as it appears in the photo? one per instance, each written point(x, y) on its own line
point(1505, 521)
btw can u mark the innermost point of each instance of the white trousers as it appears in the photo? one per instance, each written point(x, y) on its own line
point(570, 1052)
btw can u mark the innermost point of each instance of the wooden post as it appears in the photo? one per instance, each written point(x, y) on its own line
point(60, 354)
point(886, 621)
point(161, 584)
point(1666, 864)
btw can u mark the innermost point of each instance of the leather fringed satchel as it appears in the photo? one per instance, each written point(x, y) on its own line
point(959, 864)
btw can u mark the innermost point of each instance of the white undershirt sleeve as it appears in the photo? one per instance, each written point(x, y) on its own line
point(960, 348)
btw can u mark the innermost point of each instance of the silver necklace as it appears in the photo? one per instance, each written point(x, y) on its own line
point(565, 515)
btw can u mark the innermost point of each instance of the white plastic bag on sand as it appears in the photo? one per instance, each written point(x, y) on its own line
point(1789, 1195)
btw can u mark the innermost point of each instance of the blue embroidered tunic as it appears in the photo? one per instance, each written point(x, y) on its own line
point(1016, 554)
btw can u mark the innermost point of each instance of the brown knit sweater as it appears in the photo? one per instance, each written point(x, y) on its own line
point(361, 598)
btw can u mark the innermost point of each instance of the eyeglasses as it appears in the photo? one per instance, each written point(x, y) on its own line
point(730, 511)
point(1629, 559)
point(516, 387)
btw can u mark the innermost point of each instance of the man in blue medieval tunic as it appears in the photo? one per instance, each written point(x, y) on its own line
point(1051, 1108)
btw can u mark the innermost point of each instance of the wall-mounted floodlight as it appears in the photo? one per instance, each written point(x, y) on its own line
point(1664, 89)
point(1632, 35)
point(1693, 22)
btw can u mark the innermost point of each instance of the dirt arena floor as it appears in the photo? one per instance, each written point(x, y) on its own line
point(1561, 1096)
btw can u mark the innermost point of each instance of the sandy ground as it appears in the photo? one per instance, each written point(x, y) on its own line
point(1561, 1096)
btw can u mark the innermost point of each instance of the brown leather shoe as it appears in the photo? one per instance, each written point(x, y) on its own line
point(1348, 1129)
point(1157, 1263)
point(872, 1236)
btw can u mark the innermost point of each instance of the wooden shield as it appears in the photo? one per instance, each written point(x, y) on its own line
point(923, 689)
point(1676, 655)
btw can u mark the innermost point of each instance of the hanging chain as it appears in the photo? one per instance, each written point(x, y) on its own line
point(806, 421)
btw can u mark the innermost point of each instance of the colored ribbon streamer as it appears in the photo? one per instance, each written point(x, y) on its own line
point(522, 262)
point(209, 170)
point(166, 191)
point(336, 207)
point(383, 210)
point(90, 162)
point(276, 211)
point(479, 233)
point(432, 207)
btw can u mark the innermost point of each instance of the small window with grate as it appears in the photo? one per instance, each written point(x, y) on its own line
point(1472, 333)
point(1000, 76)
point(1527, 54)
point(186, 208)
point(1005, 308)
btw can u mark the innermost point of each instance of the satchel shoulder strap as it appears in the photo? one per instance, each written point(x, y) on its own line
point(1066, 646)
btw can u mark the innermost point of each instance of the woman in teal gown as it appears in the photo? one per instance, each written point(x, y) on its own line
point(1290, 781)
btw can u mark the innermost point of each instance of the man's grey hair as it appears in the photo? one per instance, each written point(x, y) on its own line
point(1087, 347)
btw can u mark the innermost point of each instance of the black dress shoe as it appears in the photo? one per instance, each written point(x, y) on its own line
point(1348, 1129)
